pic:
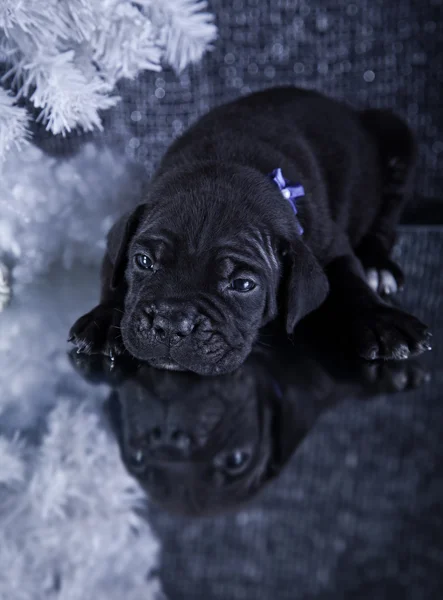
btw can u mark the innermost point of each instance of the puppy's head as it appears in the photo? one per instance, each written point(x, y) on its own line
point(207, 260)
point(196, 445)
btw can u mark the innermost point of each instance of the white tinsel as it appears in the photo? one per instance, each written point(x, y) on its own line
point(66, 57)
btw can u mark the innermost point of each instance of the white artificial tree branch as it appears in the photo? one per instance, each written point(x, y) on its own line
point(187, 30)
point(126, 43)
point(66, 57)
point(14, 122)
point(65, 95)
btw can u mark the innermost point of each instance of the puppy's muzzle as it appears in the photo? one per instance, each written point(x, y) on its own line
point(170, 324)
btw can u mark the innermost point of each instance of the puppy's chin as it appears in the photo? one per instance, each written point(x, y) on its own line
point(184, 359)
point(230, 361)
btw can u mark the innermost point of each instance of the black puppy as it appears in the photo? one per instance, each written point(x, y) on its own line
point(266, 206)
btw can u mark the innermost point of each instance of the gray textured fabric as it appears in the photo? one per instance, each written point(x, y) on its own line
point(385, 54)
point(357, 512)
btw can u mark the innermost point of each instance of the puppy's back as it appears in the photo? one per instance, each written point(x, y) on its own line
point(314, 139)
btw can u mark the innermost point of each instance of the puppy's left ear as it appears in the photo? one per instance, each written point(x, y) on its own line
point(307, 286)
point(118, 240)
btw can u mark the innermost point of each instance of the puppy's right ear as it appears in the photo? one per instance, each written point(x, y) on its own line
point(308, 285)
point(118, 240)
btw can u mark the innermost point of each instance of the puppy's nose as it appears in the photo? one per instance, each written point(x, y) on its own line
point(161, 326)
point(182, 325)
point(171, 324)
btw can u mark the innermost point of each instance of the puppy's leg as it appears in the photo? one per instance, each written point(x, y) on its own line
point(397, 155)
point(372, 327)
point(98, 331)
point(383, 274)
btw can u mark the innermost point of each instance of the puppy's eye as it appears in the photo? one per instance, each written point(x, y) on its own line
point(235, 461)
point(143, 261)
point(243, 285)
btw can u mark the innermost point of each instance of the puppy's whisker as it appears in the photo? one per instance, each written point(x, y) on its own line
point(260, 343)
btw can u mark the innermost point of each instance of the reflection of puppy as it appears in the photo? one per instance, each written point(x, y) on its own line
point(223, 239)
point(200, 445)
point(194, 444)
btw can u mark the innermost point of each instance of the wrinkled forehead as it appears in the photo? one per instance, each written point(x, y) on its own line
point(217, 231)
point(216, 210)
point(219, 199)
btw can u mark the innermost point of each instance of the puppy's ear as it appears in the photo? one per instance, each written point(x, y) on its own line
point(118, 240)
point(307, 285)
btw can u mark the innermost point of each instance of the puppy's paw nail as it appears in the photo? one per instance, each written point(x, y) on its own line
point(71, 338)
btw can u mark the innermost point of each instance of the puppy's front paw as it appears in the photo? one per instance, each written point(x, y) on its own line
point(98, 332)
point(98, 368)
point(382, 331)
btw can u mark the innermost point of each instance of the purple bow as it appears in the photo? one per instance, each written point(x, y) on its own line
point(290, 191)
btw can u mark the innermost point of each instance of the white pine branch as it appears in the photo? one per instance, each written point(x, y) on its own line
point(66, 96)
point(46, 21)
point(14, 123)
point(8, 49)
point(187, 30)
point(126, 42)
point(67, 55)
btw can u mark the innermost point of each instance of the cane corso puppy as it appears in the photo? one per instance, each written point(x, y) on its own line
point(265, 207)
point(202, 445)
